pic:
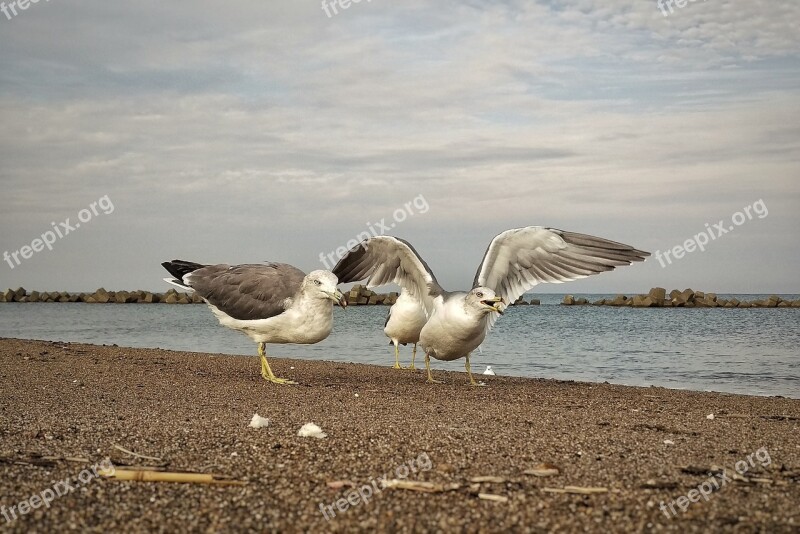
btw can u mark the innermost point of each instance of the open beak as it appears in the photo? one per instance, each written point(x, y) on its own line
point(494, 304)
point(339, 298)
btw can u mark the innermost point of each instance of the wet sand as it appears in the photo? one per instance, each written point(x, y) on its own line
point(646, 446)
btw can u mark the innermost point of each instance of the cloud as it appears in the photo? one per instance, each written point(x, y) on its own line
point(270, 131)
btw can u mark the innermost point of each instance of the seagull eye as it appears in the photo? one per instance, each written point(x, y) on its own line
point(318, 282)
point(479, 294)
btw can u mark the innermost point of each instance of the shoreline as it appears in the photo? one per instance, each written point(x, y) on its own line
point(359, 295)
point(645, 446)
point(476, 369)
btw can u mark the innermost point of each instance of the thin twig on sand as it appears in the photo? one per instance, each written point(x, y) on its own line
point(126, 451)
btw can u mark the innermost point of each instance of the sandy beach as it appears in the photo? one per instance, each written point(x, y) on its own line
point(64, 407)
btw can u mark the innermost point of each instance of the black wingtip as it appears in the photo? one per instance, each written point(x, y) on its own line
point(605, 248)
point(348, 263)
point(180, 268)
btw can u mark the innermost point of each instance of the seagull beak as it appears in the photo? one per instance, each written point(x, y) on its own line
point(493, 304)
point(339, 298)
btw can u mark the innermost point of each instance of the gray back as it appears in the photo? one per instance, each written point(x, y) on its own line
point(250, 291)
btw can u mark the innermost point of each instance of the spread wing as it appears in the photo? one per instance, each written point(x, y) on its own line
point(519, 259)
point(247, 292)
point(385, 259)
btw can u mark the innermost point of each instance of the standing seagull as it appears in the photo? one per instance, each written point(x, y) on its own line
point(514, 263)
point(403, 325)
point(271, 303)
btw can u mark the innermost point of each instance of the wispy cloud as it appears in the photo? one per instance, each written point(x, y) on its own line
point(270, 131)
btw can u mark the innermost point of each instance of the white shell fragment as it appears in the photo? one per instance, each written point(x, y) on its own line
point(492, 497)
point(489, 371)
point(311, 430)
point(543, 470)
point(258, 422)
point(710, 416)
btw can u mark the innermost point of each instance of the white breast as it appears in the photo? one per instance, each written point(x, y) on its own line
point(451, 333)
point(308, 320)
point(406, 320)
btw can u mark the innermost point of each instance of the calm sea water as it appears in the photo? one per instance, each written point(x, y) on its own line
point(749, 351)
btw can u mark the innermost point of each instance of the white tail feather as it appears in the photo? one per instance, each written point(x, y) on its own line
point(175, 283)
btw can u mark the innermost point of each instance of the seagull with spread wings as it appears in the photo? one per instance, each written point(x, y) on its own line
point(270, 302)
point(515, 262)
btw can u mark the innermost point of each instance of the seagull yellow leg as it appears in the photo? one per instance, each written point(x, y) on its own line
point(469, 372)
point(396, 356)
point(413, 357)
point(266, 372)
point(428, 368)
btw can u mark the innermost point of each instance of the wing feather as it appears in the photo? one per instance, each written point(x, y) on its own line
point(250, 291)
point(384, 260)
point(519, 259)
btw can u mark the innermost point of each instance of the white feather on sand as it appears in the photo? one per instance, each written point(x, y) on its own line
point(311, 430)
point(258, 422)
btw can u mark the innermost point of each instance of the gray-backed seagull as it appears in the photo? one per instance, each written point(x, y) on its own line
point(404, 324)
point(515, 261)
point(271, 302)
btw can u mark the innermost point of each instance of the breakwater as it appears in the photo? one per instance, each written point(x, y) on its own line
point(688, 298)
point(359, 295)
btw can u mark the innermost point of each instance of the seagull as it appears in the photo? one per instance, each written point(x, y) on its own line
point(515, 261)
point(270, 302)
point(403, 325)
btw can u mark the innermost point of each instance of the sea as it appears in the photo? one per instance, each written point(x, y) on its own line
point(753, 351)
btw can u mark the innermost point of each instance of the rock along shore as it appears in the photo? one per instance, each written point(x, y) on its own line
point(688, 298)
point(358, 295)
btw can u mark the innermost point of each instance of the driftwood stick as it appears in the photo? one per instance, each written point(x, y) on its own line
point(166, 476)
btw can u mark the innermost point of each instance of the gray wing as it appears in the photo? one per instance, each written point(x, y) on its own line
point(519, 259)
point(248, 292)
point(384, 260)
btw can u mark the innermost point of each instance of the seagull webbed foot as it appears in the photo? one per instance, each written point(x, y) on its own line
point(472, 381)
point(275, 380)
point(266, 372)
point(413, 357)
point(396, 356)
point(428, 368)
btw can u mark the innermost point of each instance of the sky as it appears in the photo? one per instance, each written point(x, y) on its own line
point(245, 131)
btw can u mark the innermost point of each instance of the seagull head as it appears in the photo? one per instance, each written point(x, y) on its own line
point(323, 283)
point(484, 300)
